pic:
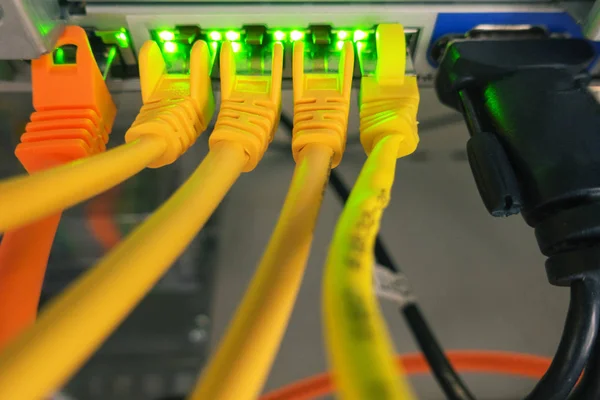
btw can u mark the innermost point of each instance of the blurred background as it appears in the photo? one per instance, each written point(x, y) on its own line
point(480, 281)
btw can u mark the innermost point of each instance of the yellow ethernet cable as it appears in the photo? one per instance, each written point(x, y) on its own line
point(360, 350)
point(241, 364)
point(177, 108)
point(80, 319)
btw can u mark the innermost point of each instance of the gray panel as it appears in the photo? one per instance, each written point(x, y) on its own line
point(28, 28)
point(140, 19)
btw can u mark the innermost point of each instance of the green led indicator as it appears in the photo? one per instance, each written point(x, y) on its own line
point(170, 47)
point(59, 56)
point(166, 36)
point(340, 45)
point(343, 35)
point(279, 36)
point(296, 35)
point(122, 39)
point(214, 45)
point(236, 47)
point(232, 36)
point(360, 35)
point(214, 35)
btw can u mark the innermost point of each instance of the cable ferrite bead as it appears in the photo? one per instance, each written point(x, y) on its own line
point(74, 109)
point(250, 105)
point(322, 103)
point(389, 100)
point(177, 107)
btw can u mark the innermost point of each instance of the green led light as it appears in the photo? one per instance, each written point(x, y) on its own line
point(214, 35)
point(166, 35)
point(296, 35)
point(232, 36)
point(122, 38)
point(360, 35)
point(343, 35)
point(170, 47)
point(236, 47)
point(279, 36)
point(59, 56)
point(340, 44)
point(214, 45)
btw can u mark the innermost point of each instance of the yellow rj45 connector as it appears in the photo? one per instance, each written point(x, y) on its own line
point(389, 100)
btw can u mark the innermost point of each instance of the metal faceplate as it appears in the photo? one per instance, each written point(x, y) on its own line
point(28, 28)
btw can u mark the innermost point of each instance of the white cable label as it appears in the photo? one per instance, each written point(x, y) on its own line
point(392, 286)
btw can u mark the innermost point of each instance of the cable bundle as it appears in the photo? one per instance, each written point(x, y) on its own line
point(63, 128)
point(177, 108)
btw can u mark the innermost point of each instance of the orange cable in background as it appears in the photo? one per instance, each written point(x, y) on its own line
point(465, 361)
point(99, 219)
point(65, 127)
point(24, 254)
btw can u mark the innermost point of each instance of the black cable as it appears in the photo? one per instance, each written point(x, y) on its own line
point(579, 335)
point(454, 388)
point(589, 387)
point(448, 379)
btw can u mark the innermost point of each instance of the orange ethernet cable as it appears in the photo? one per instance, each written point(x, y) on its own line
point(76, 323)
point(241, 364)
point(360, 350)
point(62, 129)
point(465, 361)
point(176, 109)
